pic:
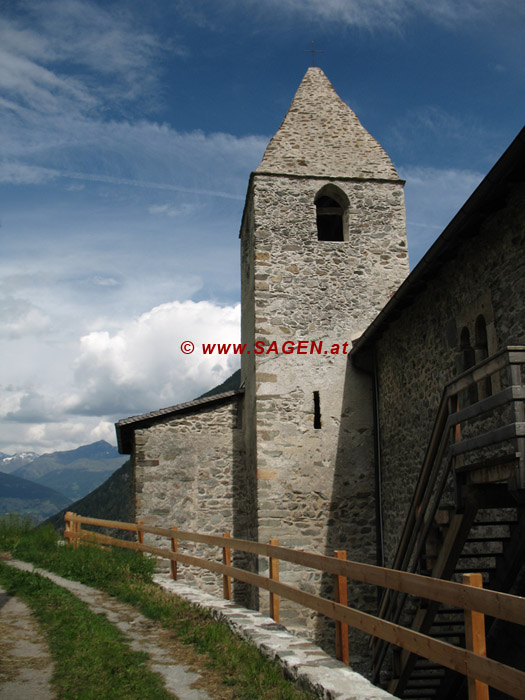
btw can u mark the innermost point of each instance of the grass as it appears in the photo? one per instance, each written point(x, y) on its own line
point(128, 576)
point(92, 659)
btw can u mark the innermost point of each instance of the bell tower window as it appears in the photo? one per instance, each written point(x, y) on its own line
point(331, 204)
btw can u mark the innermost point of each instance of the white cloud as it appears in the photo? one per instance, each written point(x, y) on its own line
point(16, 173)
point(93, 38)
point(360, 13)
point(105, 281)
point(137, 368)
point(433, 197)
point(451, 13)
point(19, 317)
point(142, 154)
point(33, 421)
point(171, 210)
point(376, 14)
point(426, 129)
point(63, 81)
point(141, 367)
point(31, 407)
point(64, 435)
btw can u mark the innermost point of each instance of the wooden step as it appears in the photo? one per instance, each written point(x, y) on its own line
point(423, 682)
point(447, 623)
point(501, 539)
point(438, 672)
point(489, 463)
point(493, 523)
point(425, 665)
point(449, 635)
point(416, 693)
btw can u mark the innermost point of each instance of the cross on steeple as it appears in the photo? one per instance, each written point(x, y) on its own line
point(313, 52)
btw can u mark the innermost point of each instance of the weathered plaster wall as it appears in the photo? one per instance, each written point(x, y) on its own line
point(189, 471)
point(418, 352)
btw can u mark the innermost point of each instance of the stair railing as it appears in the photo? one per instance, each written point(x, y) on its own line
point(444, 450)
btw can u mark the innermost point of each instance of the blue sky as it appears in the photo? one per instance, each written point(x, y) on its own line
point(129, 130)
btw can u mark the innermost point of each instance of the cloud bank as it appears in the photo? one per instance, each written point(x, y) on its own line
point(135, 369)
point(141, 367)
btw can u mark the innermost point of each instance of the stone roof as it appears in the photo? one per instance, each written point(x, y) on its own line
point(321, 136)
point(126, 426)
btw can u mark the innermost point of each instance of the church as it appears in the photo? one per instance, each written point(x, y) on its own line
point(379, 411)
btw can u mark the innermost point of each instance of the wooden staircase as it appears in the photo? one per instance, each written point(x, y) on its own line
point(467, 515)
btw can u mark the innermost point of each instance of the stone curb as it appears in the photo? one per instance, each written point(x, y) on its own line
point(302, 661)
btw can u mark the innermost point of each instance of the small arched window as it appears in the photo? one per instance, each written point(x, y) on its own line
point(331, 204)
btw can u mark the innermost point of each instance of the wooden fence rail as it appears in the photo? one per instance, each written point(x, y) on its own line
point(471, 598)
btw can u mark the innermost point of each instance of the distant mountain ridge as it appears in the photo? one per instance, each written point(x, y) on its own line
point(74, 473)
point(10, 463)
point(229, 384)
point(94, 456)
point(115, 498)
point(25, 497)
point(112, 500)
point(63, 477)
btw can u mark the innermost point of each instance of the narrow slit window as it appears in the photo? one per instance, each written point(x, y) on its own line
point(317, 411)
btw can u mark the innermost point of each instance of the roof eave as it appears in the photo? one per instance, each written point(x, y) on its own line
point(126, 427)
point(485, 197)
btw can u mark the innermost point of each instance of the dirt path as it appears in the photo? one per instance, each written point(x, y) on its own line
point(25, 663)
point(181, 668)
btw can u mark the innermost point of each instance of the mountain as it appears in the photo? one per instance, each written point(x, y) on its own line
point(10, 463)
point(233, 382)
point(96, 457)
point(25, 497)
point(74, 473)
point(112, 500)
point(76, 483)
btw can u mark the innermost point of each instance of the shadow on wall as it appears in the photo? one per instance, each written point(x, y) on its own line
point(244, 496)
point(351, 523)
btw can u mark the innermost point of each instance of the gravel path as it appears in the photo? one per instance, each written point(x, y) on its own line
point(177, 663)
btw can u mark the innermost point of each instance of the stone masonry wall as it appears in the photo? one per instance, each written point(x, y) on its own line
point(417, 354)
point(315, 487)
point(189, 471)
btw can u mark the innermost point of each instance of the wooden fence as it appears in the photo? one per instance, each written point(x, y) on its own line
point(469, 595)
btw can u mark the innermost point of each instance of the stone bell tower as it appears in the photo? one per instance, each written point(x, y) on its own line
point(323, 248)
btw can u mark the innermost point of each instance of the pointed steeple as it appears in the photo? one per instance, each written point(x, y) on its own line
point(321, 136)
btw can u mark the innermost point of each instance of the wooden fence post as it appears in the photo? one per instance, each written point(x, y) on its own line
point(227, 561)
point(79, 534)
point(341, 628)
point(75, 531)
point(67, 528)
point(475, 639)
point(173, 564)
point(140, 534)
point(273, 565)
